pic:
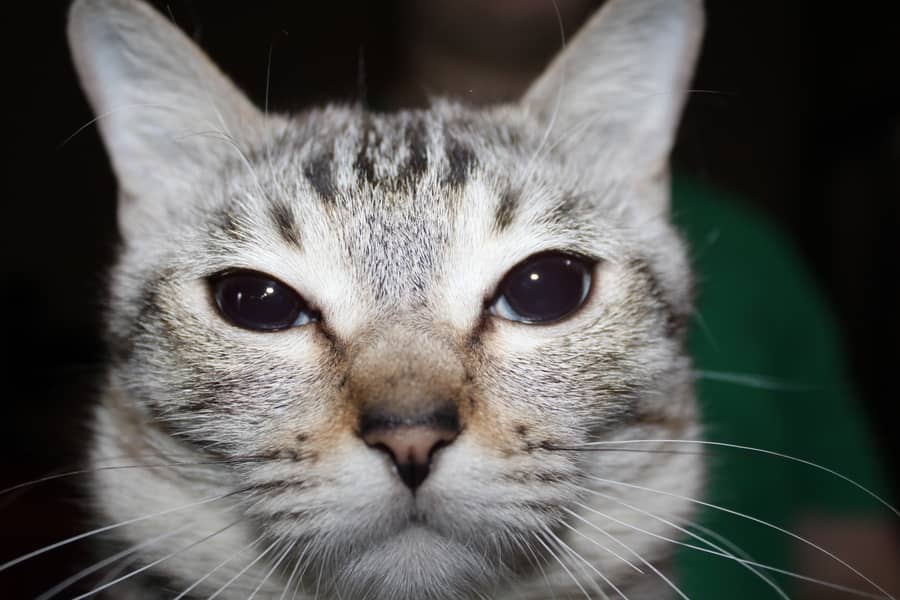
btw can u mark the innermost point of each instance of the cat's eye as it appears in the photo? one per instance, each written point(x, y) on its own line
point(543, 288)
point(259, 302)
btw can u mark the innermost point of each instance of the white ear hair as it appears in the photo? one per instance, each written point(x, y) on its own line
point(165, 112)
point(614, 96)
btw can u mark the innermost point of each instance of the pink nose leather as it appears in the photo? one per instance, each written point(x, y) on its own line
point(410, 440)
point(410, 444)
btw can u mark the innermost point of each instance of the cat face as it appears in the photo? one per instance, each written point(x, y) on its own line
point(408, 321)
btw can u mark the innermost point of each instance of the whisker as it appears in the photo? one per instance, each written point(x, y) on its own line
point(268, 145)
point(268, 77)
point(295, 572)
point(107, 114)
point(602, 547)
point(173, 465)
point(561, 564)
point(732, 557)
point(274, 567)
point(649, 565)
point(105, 528)
point(752, 380)
point(749, 567)
point(244, 570)
point(808, 463)
point(227, 137)
point(209, 573)
point(735, 513)
point(516, 544)
point(108, 561)
point(157, 561)
point(529, 170)
point(714, 92)
point(571, 551)
point(576, 128)
point(223, 124)
point(634, 450)
point(704, 326)
point(738, 551)
point(124, 565)
point(319, 578)
point(536, 562)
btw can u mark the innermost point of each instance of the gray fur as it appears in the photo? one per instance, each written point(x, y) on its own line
point(396, 228)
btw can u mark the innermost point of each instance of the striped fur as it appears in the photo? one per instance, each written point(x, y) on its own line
point(397, 228)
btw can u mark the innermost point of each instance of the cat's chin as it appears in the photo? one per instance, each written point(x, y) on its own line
point(416, 562)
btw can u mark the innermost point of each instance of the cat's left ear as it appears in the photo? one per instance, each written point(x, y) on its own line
point(166, 114)
point(613, 98)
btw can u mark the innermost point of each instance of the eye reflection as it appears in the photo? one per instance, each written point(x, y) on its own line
point(543, 288)
point(259, 302)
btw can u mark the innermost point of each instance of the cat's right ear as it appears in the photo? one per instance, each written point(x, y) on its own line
point(165, 112)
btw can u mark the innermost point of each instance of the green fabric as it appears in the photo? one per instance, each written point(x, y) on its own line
point(759, 314)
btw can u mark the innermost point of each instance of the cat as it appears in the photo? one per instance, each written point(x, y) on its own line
point(361, 351)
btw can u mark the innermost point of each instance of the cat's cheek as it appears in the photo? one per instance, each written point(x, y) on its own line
point(474, 489)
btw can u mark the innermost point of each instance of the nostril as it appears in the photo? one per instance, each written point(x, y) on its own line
point(411, 447)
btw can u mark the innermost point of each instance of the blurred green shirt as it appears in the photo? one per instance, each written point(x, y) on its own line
point(770, 375)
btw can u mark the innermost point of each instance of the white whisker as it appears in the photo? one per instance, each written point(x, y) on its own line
point(245, 160)
point(171, 465)
point(105, 528)
point(561, 564)
point(240, 573)
point(743, 516)
point(109, 113)
point(752, 380)
point(606, 549)
point(156, 562)
point(296, 572)
point(529, 171)
point(732, 557)
point(108, 561)
point(274, 567)
point(808, 463)
point(209, 573)
point(749, 567)
point(738, 551)
point(535, 562)
point(624, 545)
point(571, 551)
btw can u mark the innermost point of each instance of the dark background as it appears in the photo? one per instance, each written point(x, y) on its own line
point(804, 123)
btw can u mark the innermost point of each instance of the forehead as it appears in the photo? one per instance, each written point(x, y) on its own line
point(394, 203)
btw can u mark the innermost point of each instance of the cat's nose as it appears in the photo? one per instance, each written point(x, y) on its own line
point(410, 442)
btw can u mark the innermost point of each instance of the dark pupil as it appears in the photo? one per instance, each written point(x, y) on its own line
point(257, 302)
point(546, 288)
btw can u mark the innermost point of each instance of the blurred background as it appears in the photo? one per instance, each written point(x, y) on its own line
point(797, 111)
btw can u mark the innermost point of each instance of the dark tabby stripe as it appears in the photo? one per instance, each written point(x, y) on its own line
point(319, 174)
point(561, 212)
point(675, 321)
point(279, 485)
point(364, 165)
point(228, 222)
point(283, 219)
point(149, 307)
point(416, 141)
point(460, 161)
point(506, 210)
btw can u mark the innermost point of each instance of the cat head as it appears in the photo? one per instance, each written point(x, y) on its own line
point(417, 317)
